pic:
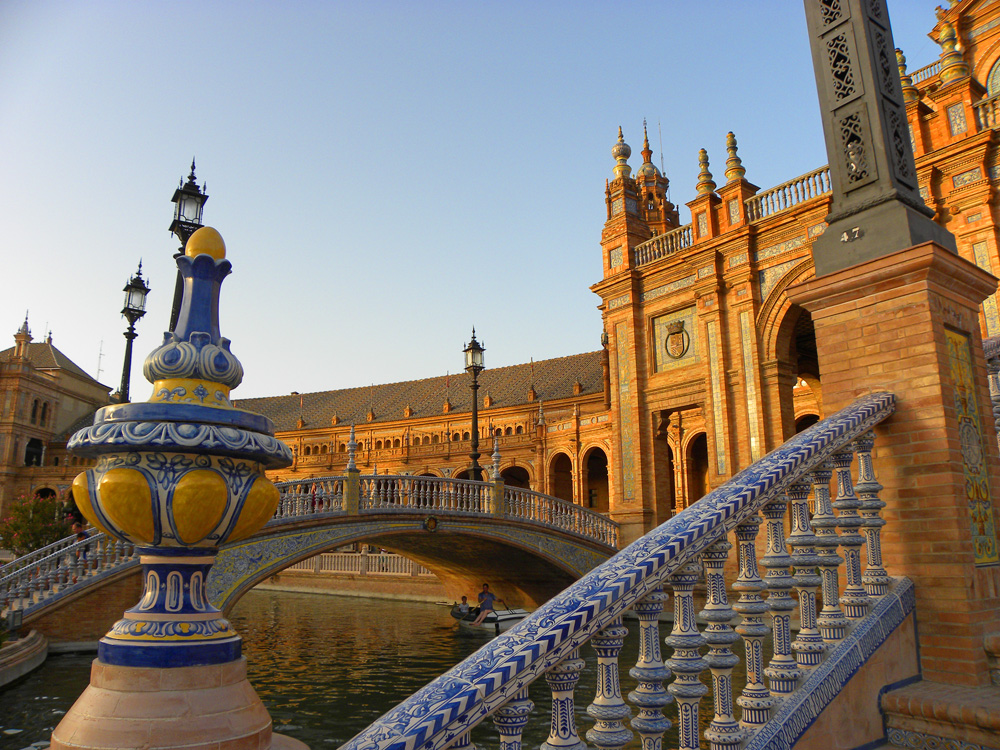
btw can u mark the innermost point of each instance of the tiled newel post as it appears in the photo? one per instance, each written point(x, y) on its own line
point(177, 476)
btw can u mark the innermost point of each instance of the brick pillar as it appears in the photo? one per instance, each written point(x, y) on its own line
point(902, 323)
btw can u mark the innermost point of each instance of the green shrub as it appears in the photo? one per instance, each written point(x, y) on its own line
point(31, 523)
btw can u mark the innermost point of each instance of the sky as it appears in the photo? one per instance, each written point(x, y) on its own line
point(386, 174)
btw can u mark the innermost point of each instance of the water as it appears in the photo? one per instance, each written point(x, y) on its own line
point(325, 667)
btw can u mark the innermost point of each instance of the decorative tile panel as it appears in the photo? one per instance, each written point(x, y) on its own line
point(734, 212)
point(614, 304)
point(735, 260)
point(973, 217)
point(780, 248)
point(956, 118)
point(626, 429)
point(925, 193)
point(702, 224)
point(967, 178)
point(715, 365)
point(666, 289)
point(980, 251)
point(706, 271)
point(984, 28)
point(677, 349)
point(977, 487)
point(615, 256)
point(748, 342)
point(817, 229)
point(770, 277)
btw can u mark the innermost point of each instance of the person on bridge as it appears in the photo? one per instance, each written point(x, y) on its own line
point(486, 599)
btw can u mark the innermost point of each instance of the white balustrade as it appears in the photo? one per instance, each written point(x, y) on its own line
point(663, 245)
point(788, 194)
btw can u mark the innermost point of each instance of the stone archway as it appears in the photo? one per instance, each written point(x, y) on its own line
point(697, 467)
point(516, 476)
point(561, 477)
point(595, 480)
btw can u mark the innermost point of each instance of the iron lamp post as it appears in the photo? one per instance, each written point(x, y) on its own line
point(474, 366)
point(135, 307)
point(189, 202)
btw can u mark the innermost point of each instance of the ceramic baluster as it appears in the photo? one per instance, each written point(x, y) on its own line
point(608, 709)
point(855, 599)
point(650, 697)
point(686, 662)
point(724, 731)
point(464, 742)
point(875, 579)
point(511, 719)
point(831, 620)
point(808, 645)
point(562, 679)
point(756, 700)
point(782, 671)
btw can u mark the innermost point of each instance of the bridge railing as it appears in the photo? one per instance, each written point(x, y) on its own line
point(803, 675)
point(72, 564)
point(534, 506)
point(387, 492)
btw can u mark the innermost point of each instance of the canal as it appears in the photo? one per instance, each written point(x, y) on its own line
point(325, 666)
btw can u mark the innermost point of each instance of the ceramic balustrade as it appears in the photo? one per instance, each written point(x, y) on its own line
point(928, 71)
point(70, 566)
point(987, 112)
point(789, 194)
point(663, 245)
point(670, 562)
point(529, 505)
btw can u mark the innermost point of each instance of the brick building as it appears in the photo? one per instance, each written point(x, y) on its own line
point(44, 398)
point(706, 364)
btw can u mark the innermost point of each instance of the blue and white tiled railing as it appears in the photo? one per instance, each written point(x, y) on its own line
point(781, 698)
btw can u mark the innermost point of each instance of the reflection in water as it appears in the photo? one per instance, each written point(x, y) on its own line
point(326, 667)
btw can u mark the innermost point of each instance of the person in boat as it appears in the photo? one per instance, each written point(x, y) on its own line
point(463, 607)
point(486, 599)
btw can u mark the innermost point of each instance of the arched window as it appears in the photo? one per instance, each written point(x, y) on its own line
point(397, 443)
point(325, 448)
point(342, 448)
point(993, 81)
point(55, 460)
point(508, 431)
point(34, 411)
point(306, 451)
point(498, 432)
point(518, 430)
point(378, 445)
point(45, 414)
point(456, 437)
point(465, 436)
point(435, 439)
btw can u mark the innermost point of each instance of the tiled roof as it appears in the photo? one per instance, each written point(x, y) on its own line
point(506, 386)
point(45, 356)
point(85, 421)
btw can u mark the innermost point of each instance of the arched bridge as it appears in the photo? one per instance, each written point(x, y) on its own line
point(529, 544)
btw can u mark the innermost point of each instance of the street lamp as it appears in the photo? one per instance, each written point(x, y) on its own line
point(189, 201)
point(135, 307)
point(474, 366)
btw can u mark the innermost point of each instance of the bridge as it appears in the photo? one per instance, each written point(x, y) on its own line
point(532, 545)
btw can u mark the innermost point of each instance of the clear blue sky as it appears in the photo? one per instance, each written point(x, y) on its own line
point(385, 174)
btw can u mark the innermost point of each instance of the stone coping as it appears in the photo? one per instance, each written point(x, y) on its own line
point(949, 711)
point(19, 657)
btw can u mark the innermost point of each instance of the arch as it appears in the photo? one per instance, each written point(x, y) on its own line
point(516, 476)
point(45, 414)
point(55, 460)
point(993, 80)
point(595, 480)
point(378, 445)
point(435, 439)
point(533, 564)
point(508, 431)
point(429, 473)
point(397, 443)
point(790, 350)
point(697, 467)
point(466, 435)
point(34, 411)
point(306, 451)
point(518, 430)
point(325, 449)
point(342, 448)
point(44, 493)
point(456, 437)
point(33, 452)
point(498, 432)
point(805, 421)
point(561, 476)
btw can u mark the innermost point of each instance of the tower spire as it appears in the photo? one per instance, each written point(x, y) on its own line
point(647, 152)
point(705, 183)
point(734, 165)
point(621, 152)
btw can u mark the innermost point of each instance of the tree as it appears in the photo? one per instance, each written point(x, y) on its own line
point(32, 523)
